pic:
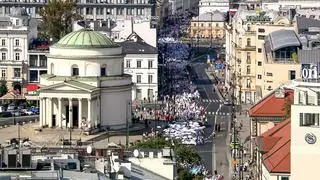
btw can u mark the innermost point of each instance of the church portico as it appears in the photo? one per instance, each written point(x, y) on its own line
point(68, 112)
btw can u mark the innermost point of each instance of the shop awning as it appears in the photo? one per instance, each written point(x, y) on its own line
point(32, 87)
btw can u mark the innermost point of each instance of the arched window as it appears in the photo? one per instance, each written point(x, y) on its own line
point(74, 70)
point(103, 70)
point(51, 68)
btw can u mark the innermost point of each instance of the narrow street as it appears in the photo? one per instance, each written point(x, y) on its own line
point(215, 150)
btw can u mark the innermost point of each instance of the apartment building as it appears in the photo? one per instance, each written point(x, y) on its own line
point(208, 25)
point(89, 9)
point(213, 5)
point(305, 129)
point(15, 32)
point(141, 61)
point(248, 63)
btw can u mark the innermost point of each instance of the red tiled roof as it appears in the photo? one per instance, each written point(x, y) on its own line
point(276, 145)
point(271, 106)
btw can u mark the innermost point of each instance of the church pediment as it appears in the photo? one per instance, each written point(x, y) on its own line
point(71, 86)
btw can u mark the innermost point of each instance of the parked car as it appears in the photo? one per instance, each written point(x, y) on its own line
point(11, 107)
point(34, 110)
point(5, 114)
point(27, 112)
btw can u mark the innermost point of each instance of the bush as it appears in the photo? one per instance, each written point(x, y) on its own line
point(184, 174)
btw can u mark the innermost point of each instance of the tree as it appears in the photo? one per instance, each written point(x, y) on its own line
point(3, 87)
point(57, 17)
point(287, 107)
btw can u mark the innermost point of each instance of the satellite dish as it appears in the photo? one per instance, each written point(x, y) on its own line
point(89, 149)
point(136, 153)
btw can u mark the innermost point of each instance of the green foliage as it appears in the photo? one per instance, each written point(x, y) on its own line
point(184, 174)
point(153, 143)
point(187, 154)
point(3, 88)
point(294, 56)
point(57, 17)
point(287, 107)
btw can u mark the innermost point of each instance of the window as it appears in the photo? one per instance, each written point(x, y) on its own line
point(103, 70)
point(259, 63)
point(128, 63)
point(248, 83)
point(43, 72)
point(3, 42)
point(284, 178)
point(248, 70)
point(33, 60)
point(33, 76)
point(3, 56)
point(150, 94)
point(269, 74)
point(150, 64)
point(259, 76)
point(260, 30)
point(17, 22)
point(292, 75)
point(150, 78)
point(259, 50)
point(138, 63)
point(217, 24)
point(75, 70)
point(309, 119)
point(261, 37)
point(3, 73)
point(17, 42)
point(138, 94)
point(248, 42)
point(17, 56)
point(43, 61)
point(248, 58)
point(16, 72)
point(138, 78)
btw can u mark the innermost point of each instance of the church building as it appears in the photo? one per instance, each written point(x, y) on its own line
point(85, 86)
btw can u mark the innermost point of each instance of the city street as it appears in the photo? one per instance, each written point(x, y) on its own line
point(214, 151)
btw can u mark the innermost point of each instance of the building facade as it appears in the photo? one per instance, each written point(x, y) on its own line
point(15, 34)
point(85, 86)
point(208, 25)
point(141, 61)
point(91, 10)
point(213, 5)
point(247, 61)
point(304, 129)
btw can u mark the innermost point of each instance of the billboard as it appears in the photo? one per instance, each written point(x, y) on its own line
point(309, 71)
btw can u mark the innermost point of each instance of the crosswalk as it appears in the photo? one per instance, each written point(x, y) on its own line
point(217, 113)
point(212, 100)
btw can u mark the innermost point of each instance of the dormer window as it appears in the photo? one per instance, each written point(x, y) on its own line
point(75, 70)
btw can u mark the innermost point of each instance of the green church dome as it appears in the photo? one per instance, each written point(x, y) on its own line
point(85, 38)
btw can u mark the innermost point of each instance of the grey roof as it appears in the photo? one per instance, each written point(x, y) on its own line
point(283, 38)
point(217, 16)
point(137, 47)
point(138, 173)
point(18, 12)
point(303, 24)
point(309, 56)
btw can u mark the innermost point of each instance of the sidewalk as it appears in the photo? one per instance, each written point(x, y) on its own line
point(243, 127)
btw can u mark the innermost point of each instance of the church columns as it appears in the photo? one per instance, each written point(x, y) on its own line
point(49, 115)
point(44, 112)
point(41, 113)
point(80, 113)
point(89, 113)
point(70, 114)
point(59, 116)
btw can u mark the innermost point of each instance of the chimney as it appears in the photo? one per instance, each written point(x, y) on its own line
point(280, 93)
point(131, 25)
